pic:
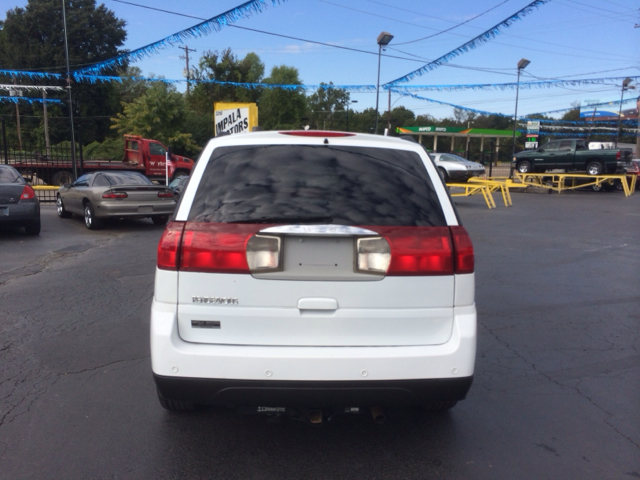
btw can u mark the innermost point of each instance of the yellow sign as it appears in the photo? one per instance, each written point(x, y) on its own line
point(233, 117)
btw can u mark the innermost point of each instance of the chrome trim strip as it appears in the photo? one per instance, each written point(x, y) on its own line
point(319, 230)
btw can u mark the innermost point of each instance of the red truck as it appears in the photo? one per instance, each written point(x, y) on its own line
point(140, 155)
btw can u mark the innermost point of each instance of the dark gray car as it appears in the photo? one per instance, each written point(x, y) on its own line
point(19, 205)
point(116, 194)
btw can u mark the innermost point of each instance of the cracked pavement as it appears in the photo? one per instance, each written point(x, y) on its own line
point(555, 395)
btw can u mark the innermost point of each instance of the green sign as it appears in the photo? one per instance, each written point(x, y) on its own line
point(489, 132)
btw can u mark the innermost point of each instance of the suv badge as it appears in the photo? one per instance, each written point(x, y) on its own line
point(216, 300)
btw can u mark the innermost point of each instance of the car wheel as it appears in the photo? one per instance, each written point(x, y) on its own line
point(162, 220)
point(597, 187)
point(441, 406)
point(62, 213)
point(524, 167)
point(594, 168)
point(90, 219)
point(443, 173)
point(175, 405)
point(33, 228)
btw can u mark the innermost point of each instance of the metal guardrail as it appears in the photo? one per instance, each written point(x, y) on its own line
point(46, 193)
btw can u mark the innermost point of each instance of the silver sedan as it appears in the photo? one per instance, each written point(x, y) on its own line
point(103, 194)
point(456, 169)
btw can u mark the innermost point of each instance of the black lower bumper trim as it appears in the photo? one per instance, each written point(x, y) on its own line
point(312, 393)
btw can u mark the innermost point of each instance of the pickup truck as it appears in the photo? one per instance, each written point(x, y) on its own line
point(572, 155)
point(142, 155)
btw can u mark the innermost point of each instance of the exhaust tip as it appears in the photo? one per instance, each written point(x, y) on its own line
point(378, 415)
point(315, 416)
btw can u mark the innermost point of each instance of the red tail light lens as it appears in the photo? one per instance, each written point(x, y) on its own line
point(27, 193)
point(464, 257)
point(169, 246)
point(216, 247)
point(166, 194)
point(619, 155)
point(115, 195)
point(418, 251)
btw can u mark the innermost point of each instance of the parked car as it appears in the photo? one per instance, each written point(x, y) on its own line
point(109, 194)
point(19, 205)
point(309, 269)
point(178, 184)
point(456, 169)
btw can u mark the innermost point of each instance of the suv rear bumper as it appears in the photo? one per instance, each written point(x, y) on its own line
point(227, 374)
point(208, 391)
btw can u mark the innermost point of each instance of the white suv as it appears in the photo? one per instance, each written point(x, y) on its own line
point(312, 269)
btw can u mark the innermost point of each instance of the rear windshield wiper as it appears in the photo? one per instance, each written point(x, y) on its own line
point(291, 220)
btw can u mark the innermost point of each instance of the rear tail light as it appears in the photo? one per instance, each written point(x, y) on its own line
point(115, 195)
point(263, 254)
point(419, 251)
point(373, 255)
point(27, 193)
point(463, 258)
point(166, 194)
point(619, 155)
point(169, 246)
point(216, 247)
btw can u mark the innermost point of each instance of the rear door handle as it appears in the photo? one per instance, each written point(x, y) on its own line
point(317, 304)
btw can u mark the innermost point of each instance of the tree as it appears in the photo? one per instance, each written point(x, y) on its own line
point(225, 67)
point(32, 38)
point(322, 106)
point(400, 117)
point(159, 114)
point(574, 113)
point(281, 108)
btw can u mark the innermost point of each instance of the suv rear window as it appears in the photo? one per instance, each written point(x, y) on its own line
point(340, 185)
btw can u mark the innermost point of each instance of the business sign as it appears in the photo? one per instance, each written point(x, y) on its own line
point(233, 117)
point(531, 145)
point(489, 132)
point(533, 126)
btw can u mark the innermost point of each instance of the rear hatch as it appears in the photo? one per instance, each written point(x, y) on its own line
point(315, 246)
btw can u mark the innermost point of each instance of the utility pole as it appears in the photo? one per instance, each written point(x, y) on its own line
point(186, 57)
point(15, 82)
point(46, 123)
point(74, 163)
point(389, 114)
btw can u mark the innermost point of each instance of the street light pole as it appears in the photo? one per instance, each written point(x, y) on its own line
point(383, 40)
point(625, 86)
point(73, 137)
point(522, 64)
point(351, 101)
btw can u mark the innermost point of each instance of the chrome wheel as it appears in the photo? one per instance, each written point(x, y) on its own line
point(62, 213)
point(594, 168)
point(88, 216)
point(524, 167)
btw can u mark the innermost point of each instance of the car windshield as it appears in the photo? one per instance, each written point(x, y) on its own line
point(346, 185)
point(452, 158)
point(10, 175)
point(127, 178)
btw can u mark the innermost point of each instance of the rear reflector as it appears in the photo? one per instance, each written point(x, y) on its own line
point(166, 194)
point(115, 195)
point(169, 246)
point(464, 257)
point(27, 193)
point(317, 133)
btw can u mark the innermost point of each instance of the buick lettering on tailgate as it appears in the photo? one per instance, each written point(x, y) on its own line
point(216, 300)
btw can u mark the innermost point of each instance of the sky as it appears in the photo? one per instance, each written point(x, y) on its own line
point(562, 39)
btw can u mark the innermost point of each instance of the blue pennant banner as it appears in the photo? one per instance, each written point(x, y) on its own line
point(601, 104)
point(214, 24)
point(93, 79)
point(508, 86)
point(584, 123)
point(473, 43)
point(30, 100)
point(346, 88)
point(21, 73)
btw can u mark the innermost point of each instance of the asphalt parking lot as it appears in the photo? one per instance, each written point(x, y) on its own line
point(556, 390)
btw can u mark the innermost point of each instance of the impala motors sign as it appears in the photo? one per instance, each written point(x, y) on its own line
point(234, 117)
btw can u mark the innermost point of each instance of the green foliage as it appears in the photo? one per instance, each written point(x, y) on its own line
point(322, 106)
point(110, 149)
point(32, 38)
point(225, 67)
point(282, 109)
point(159, 114)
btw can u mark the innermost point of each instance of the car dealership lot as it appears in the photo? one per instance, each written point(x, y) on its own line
point(555, 392)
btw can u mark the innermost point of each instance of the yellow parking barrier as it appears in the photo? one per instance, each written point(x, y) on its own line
point(473, 189)
point(560, 182)
point(497, 183)
point(45, 187)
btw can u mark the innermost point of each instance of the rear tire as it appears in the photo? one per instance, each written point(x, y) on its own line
point(33, 228)
point(62, 213)
point(162, 220)
point(90, 220)
point(524, 167)
point(175, 405)
point(595, 168)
